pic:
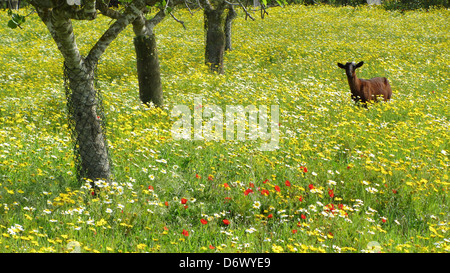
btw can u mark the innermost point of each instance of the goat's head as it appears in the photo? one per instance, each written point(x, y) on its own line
point(350, 68)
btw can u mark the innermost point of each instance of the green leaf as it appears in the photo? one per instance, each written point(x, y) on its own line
point(12, 24)
point(282, 3)
point(18, 19)
point(264, 2)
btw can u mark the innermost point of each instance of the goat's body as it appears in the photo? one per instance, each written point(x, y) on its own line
point(366, 90)
point(369, 90)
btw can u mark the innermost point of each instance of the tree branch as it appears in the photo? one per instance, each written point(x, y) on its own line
point(245, 10)
point(87, 12)
point(156, 19)
point(106, 11)
point(61, 25)
point(130, 14)
point(187, 6)
point(231, 4)
point(179, 21)
point(45, 15)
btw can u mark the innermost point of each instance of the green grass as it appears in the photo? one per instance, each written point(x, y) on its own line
point(387, 166)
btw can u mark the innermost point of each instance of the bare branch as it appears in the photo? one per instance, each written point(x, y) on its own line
point(198, 3)
point(187, 6)
point(179, 21)
point(130, 14)
point(231, 4)
point(263, 11)
point(245, 10)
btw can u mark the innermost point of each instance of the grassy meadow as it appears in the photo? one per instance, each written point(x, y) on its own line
point(344, 178)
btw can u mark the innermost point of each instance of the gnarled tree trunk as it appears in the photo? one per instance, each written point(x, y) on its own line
point(148, 69)
point(228, 23)
point(149, 76)
point(90, 147)
point(215, 37)
point(85, 121)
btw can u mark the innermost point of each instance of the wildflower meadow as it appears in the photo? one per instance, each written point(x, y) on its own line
point(341, 178)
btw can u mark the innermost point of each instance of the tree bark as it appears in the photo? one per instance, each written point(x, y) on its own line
point(215, 38)
point(91, 150)
point(148, 69)
point(90, 147)
point(149, 76)
point(228, 22)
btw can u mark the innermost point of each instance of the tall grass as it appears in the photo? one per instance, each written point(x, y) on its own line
point(343, 176)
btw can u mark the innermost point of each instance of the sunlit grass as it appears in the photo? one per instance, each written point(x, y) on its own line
point(343, 176)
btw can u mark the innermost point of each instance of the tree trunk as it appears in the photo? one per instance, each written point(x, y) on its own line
point(84, 105)
point(215, 38)
point(228, 22)
point(149, 76)
point(85, 120)
point(90, 149)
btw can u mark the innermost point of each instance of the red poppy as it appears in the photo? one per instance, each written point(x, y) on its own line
point(330, 207)
point(165, 228)
point(185, 232)
point(300, 199)
point(197, 176)
point(211, 247)
point(383, 220)
point(226, 222)
point(166, 203)
point(226, 185)
point(348, 167)
point(294, 231)
point(210, 178)
point(265, 192)
point(247, 191)
point(331, 193)
point(203, 221)
point(265, 181)
point(311, 186)
point(185, 206)
point(394, 191)
point(150, 187)
point(270, 216)
point(303, 216)
point(277, 189)
point(287, 183)
point(183, 201)
point(305, 170)
point(251, 185)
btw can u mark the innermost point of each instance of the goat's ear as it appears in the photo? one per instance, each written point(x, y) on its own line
point(341, 65)
point(359, 64)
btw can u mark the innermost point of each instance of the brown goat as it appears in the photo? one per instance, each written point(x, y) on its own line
point(366, 90)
